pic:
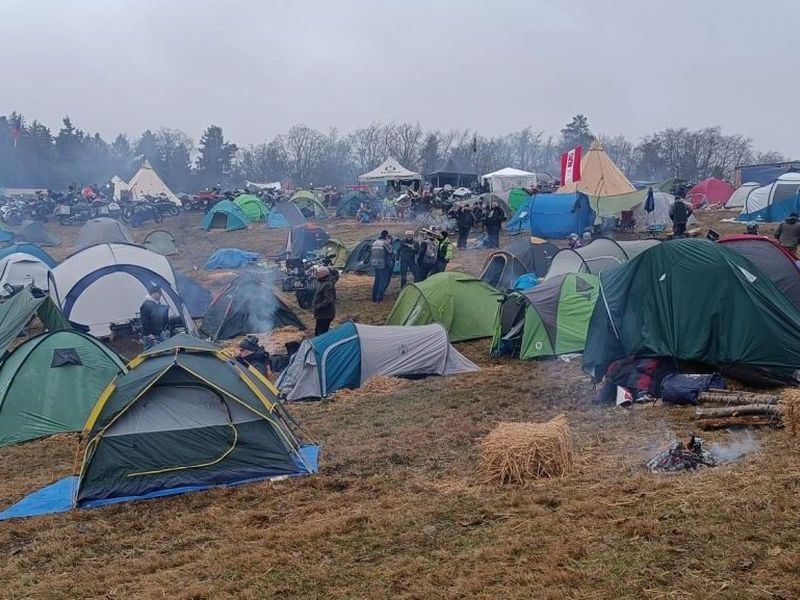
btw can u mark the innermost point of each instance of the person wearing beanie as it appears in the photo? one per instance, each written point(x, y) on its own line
point(788, 234)
point(154, 317)
point(323, 304)
point(409, 248)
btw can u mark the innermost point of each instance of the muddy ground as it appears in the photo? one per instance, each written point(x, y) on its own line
point(397, 510)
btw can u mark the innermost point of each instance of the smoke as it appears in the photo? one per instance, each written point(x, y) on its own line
point(257, 297)
point(741, 444)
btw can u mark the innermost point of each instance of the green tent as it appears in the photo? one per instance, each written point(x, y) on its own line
point(696, 301)
point(161, 242)
point(17, 311)
point(50, 383)
point(309, 204)
point(464, 305)
point(547, 320)
point(516, 198)
point(252, 206)
point(225, 215)
point(338, 249)
point(186, 416)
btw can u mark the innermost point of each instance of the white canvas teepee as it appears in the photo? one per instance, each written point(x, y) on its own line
point(146, 182)
point(599, 176)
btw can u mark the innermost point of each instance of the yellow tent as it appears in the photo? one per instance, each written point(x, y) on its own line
point(599, 176)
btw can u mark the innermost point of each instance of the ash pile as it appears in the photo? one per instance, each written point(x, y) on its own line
point(680, 456)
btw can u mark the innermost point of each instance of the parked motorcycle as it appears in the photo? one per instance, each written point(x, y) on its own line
point(137, 213)
point(76, 214)
point(12, 213)
point(167, 208)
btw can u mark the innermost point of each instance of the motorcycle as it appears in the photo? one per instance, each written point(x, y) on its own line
point(297, 275)
point(112, 210)
point(78, 214)
point(137, 213)
point(165, 207)
point(12, 213)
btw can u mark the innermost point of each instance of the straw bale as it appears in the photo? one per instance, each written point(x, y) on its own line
point(516, 453)
point(790, 404)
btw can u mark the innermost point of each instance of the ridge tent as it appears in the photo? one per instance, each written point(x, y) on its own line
point(31, 250)
point(389, 170)
point(710, 191)
point(35, 233)
point(161, 242)
point(305, 240)
point(598, 256)
point(225, 215)
point(247, 305)
point(465, 306)
point(509, 178)
point(649, 308)
point(337, 249)
point(360, 258)
point(599, 175)
point(517, 197)
point(17, 311)
point(147, 183)
point(50, 383)
point(252, 206)
point(196, 298)
point(548, 320)
point(553, 215)
point(230, 258)
point(517, 258)
point(349, 355)
point(739, 197)
point(103, 230)
point(22, 270)
point(285, 216)
point(104, 285)
point(775, 261)
point(773, 202)
point(309, 205)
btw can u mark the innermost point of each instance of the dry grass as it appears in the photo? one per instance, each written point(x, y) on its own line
point(377, 386)
point(518, 453)
point(398, 510)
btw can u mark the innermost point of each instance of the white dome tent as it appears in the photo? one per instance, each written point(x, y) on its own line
point(758, 205)
point(598, 256)
point(739, 197)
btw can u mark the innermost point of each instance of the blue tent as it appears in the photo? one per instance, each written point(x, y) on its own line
point(225, 215)
point(285, 216)
point(230, 258)
point(196, 298)
point(553, 215)
point(31, 249)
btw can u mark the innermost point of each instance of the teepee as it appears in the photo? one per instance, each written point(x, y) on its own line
point(146, 182)
point(599, 176)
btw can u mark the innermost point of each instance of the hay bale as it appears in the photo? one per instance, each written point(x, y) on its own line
point(515, 453)
point(379, 385)
point(790, 408)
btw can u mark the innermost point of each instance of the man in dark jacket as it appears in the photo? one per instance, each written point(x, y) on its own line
point(382, 263)
point(155, 318)
point(253, 354)
point(465, 221)
point(679, 212)
point(494, 221)
point(409, 248)
point(788, 234)
point(324, 303)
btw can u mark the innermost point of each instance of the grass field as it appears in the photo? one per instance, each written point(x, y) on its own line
point(397, 510)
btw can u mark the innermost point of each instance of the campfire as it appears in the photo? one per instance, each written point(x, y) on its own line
point(680, 456)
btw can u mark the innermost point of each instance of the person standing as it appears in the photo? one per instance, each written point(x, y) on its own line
point(465, 222)
point(381, 261)
point(155, 318)
point(409, 248)
point(679, 212)
point(788, 234)
point(445, 253)
point(323, 305)
point(427, 256)
point(494, 221)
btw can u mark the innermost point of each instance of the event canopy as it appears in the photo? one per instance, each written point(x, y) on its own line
point(508, 178)
point(389, 170)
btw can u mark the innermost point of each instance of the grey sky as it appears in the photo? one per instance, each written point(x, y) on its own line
point(258, 67)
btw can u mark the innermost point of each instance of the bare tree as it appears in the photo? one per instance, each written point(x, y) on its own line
point(303, 148)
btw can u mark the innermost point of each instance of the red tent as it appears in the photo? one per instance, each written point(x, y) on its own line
point(710, 191)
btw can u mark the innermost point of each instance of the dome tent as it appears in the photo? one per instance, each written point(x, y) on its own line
point(360, 258)
point(285, 216)
point(336, 248)
point(162, 242)
point(252, 206)
point(31, 250)
point(519, 257)
point(305, 240)
point(739, 197)
point(309, 205)
point(102, 230)
point(352, 353)
point(553, 216)
point(548, 320)
point(196, 298)
point(601, 254)
point(225, 215)
point(35, 233)
point(50, 383)
point(710, 191)
point(464, 305)
point(773, 202)
point(22, 270)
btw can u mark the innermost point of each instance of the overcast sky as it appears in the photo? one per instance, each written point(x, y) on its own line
point(256, 67)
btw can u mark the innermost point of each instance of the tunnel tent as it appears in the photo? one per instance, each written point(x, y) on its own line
point(463, 305)
point(549, 320)
point(337, 249)
point(351, 354)
point(285, 216)
point(225, 215)
point(50, 383)
point(248, 305)
point(37, 233)
point(520, 256)
point(102, 230)
point(161, 242)
point(252, 206)
point(599, 255)
point(740, 195)
point(774, 202)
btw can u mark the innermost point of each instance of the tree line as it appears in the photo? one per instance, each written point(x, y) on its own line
point(32, 155)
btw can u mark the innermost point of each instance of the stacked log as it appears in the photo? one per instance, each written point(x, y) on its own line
point(724, 408)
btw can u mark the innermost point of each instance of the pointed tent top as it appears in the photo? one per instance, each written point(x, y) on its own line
point(389, 170)
point(146, 182)
point(599, 175)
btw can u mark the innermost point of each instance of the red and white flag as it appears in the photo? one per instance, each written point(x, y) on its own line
point(571, 166)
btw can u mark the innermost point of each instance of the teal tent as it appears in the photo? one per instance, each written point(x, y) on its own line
point(225, 215)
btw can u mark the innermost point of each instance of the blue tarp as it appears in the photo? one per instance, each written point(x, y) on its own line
point(230, 258)
point(764, 174)
point(196, 298)
point(553, 215)
point(526, 281)
point(57, 497)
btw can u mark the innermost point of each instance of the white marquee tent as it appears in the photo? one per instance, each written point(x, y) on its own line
point(389, 170)
point(508, 178)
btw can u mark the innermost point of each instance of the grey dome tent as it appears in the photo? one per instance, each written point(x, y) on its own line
point(360, 259)
point(599, 255)
point(247, 305)
point(162, 242)
point(102, 230)
point(521, 256)
point(285, 216)
point(35, 233)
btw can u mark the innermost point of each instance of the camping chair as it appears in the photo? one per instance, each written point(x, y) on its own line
point(626, 222)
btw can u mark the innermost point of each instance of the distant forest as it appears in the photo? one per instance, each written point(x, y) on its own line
point(31, 155)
